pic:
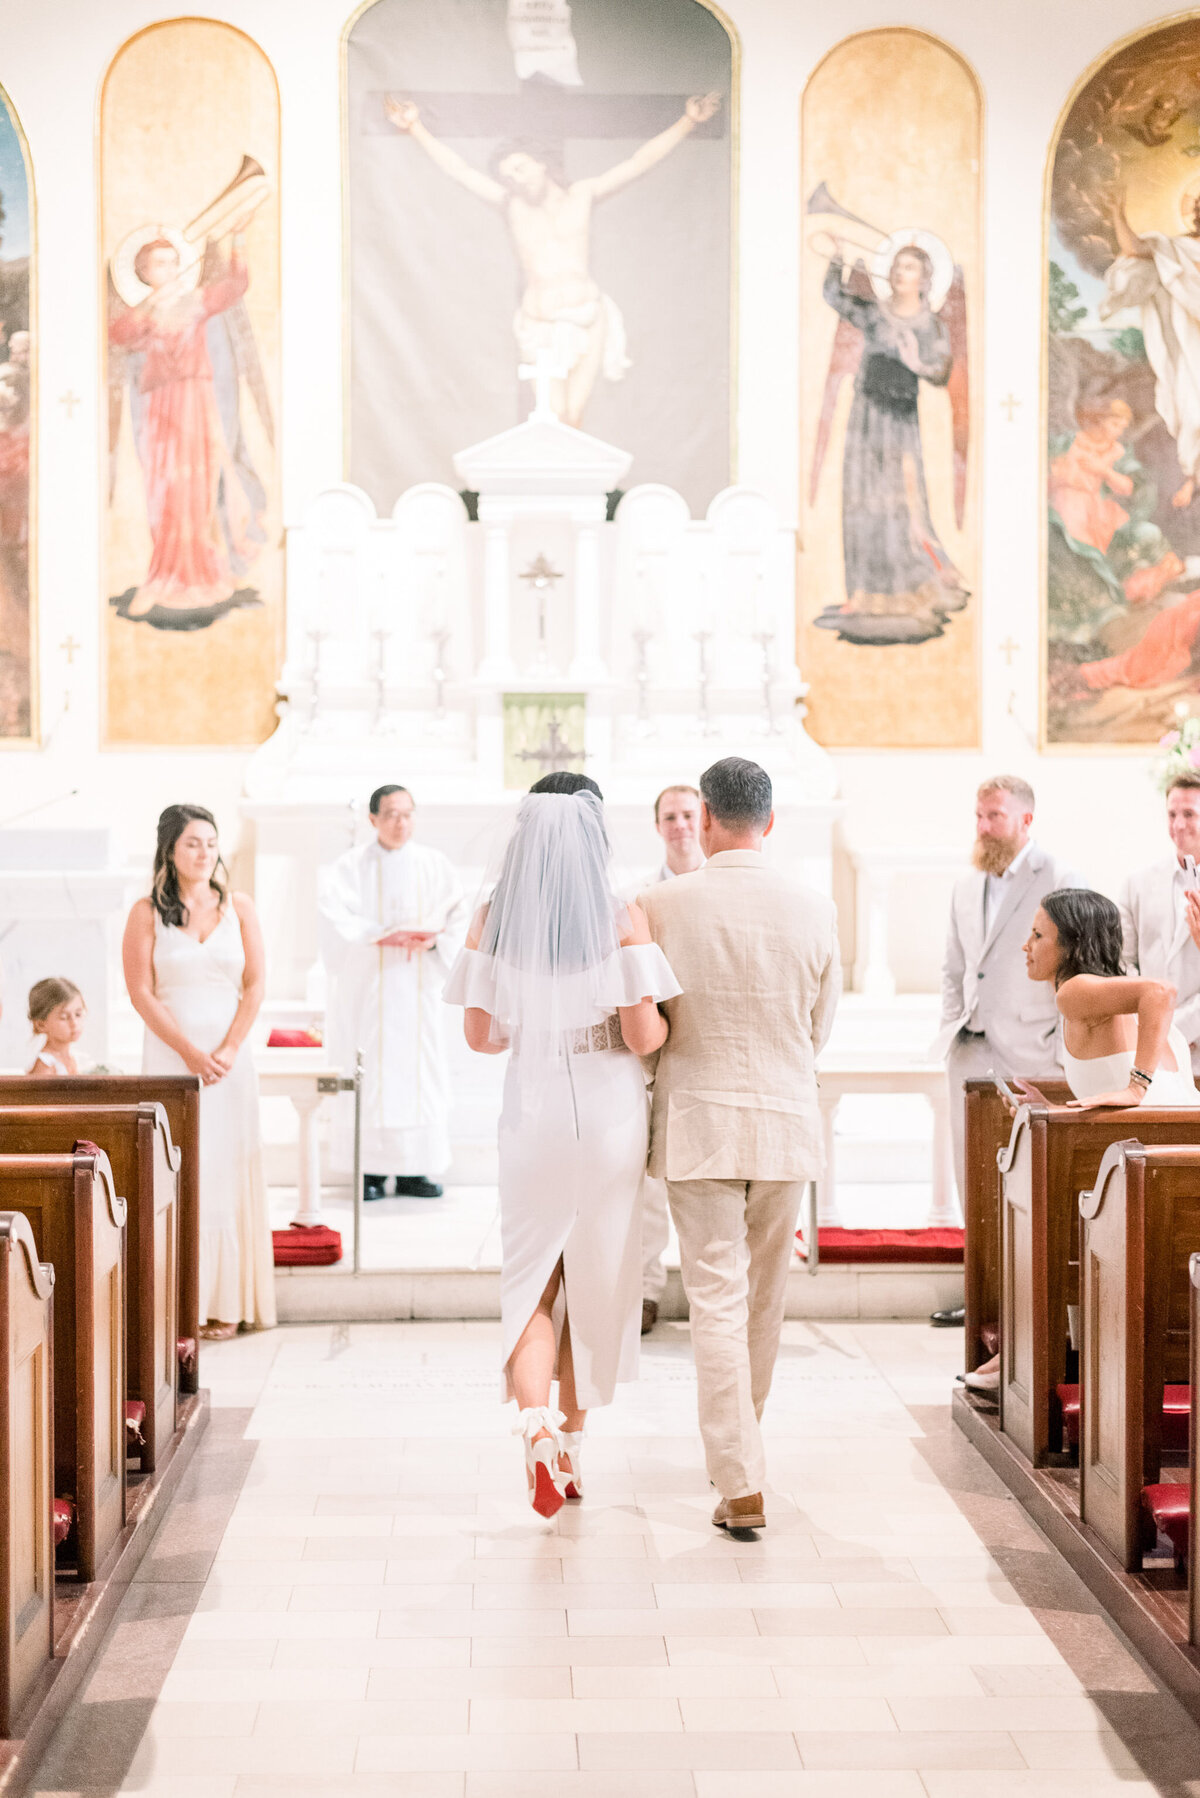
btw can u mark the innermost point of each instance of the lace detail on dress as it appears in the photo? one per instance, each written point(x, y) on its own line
point(595, 1039)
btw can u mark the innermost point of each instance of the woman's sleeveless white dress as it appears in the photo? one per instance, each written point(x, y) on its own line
point(201, 984)
point(572, 1156)
point(1110, 1074)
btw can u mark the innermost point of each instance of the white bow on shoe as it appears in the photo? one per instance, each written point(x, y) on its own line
point(541, 1457)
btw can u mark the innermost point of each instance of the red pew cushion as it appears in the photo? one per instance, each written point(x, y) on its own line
point(1168, 1509)
point(135, 1417)
point(306, 1245)
point(1177, 1402)
point(63, 1515)
point(185, 1352)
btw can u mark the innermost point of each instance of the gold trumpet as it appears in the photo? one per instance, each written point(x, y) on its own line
point(821, 201)
point(234, 204)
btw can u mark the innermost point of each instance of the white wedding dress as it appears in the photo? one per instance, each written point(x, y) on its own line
point(1110, 1074)
point(200, 983)
point(572, 1156)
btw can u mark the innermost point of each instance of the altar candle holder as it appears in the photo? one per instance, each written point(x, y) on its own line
point(642, 637)
point(703, 639)
point(766, 641)
point(381, 641)
point(316, 638)
point(440, 639)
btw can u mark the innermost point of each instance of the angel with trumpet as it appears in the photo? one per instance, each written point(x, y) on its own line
point(901, 312)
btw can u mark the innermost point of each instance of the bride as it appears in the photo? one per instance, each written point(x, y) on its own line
point(559, 969)
point(1120, 1047)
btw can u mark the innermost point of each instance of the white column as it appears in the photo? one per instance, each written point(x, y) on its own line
point(587, 663)
point(872, 969)
point(307, 1101)
point(497, 664)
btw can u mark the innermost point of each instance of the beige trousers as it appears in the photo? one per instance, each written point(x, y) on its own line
point(656, 1233)
point(736, 1241)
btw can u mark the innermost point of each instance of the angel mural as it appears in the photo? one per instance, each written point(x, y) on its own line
point(901, 320)
point(182, 345)
point(1123, 325)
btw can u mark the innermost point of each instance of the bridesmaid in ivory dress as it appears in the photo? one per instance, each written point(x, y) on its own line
point(560, 970)
point(194, 967)
point(1120, 1048)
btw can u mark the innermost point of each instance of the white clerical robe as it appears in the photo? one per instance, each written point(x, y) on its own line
point(1165, 288)
point(391, 1007)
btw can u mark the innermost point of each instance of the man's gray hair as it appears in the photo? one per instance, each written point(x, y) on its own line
point(1020, 789)
point(737, 793)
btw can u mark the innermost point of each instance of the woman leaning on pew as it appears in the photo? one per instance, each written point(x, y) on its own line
point(195, 970)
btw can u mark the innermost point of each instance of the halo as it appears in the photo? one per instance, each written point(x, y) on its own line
point(881, 261)
point(131, 288)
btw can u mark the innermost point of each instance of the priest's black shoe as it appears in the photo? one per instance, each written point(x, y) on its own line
point(416, 1186)
point(374, 1186)
point(954, 1319)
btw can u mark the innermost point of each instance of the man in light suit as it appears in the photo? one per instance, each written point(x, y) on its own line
point(994, 1018)
point(1157, 904)
point(735, 1129)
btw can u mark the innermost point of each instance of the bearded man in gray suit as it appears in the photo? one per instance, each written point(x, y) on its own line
point(994, 1018)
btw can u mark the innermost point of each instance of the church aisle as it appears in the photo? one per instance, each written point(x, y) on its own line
point(351, 1599)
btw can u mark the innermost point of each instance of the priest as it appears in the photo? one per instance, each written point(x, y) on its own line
point(393, 918)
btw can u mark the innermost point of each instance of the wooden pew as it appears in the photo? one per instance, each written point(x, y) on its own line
point(78, 1224)
point(145, 1169)
point(26, 1467)
point(179, 1096)
point(1139, 1227)
point(1053, 1155)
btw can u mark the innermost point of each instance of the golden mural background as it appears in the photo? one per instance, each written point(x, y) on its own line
point(182, 104)
point(891, 124)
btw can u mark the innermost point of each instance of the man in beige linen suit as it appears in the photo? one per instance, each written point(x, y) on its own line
point(735, 1128)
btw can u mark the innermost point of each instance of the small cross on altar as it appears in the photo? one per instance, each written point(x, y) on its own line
point(1009, 404)
point(1008, 650)
point(555, 755)
point(545, 368)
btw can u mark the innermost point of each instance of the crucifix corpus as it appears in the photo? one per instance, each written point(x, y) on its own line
point(555, 756)
point(563, 313)
point(541, 577)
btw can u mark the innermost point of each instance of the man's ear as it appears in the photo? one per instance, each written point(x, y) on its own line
point(705, 816)
point(770, 825)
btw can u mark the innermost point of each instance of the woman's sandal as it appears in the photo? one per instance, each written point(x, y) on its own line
point(541, 1458)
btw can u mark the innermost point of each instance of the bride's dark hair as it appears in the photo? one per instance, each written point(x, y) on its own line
point(164, 889)
point(1089, 933)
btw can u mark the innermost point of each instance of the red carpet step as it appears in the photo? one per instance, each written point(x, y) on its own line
point(891, 1246)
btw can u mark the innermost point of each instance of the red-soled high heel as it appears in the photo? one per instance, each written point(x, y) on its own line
point(541, 1458)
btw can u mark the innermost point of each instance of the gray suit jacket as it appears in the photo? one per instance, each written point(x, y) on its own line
point(1159, 945)
point(983, 975)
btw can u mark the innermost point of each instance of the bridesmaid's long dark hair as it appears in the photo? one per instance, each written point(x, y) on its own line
point(164, 890)
point(1089, 933)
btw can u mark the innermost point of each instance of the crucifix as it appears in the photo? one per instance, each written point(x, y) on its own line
point(69, 645)
point(1009, 404)
point(541, 577)
point(555, 755)
point(1008, 650)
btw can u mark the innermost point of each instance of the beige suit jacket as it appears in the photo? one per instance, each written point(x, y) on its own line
point(756, 953)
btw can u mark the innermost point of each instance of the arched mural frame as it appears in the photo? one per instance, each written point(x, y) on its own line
point(869, 732)
point(259, 698)
point(31, 739)
point(735, 107)
point(1061, 745)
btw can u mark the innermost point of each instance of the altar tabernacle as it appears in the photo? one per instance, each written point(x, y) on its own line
point(393, 920)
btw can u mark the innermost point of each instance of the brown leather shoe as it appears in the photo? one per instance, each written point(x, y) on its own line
point(649, 1315)
point(741, 1513)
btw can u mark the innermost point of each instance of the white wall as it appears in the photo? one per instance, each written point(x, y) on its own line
point(1100, 810)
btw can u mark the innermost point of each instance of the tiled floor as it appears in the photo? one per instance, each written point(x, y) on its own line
point(350, 1599)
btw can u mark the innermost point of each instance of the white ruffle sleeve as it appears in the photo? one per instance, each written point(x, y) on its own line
point(639, 971)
